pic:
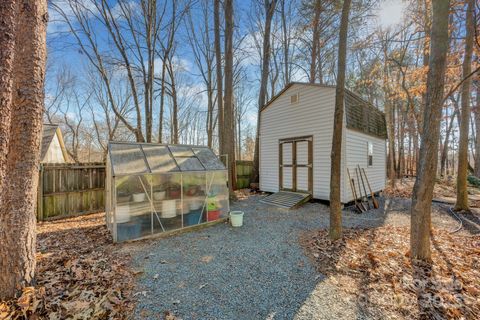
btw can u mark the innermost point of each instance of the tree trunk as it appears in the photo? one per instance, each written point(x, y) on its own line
point(229, 132)
point(269, 11)
point(18, 195)
point(427, 162)
point(477, 131)
point(7, 54)
point(315, 40)
point(443, 158)
point(336, 155)
point(462, 172)
point(218, 63)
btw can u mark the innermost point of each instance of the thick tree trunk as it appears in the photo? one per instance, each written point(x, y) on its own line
point(18, 196)
point(477, 131)
point(427, 163)
point(218, 67)
point(229, 133)
point(462, 172)
point(336, 155)
point(7, 53)
point(269, 11)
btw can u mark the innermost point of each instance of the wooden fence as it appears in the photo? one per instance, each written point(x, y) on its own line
point(66, 190)
point(244, 172)
point(70, 189)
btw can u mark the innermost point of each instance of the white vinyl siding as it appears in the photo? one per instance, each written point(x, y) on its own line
point(357, 154)
point(311, 116)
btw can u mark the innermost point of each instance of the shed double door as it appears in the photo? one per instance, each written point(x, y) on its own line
point(296, 164)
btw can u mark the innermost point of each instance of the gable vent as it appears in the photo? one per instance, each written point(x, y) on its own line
point(294, 98)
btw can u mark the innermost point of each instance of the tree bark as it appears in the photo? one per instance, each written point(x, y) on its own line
point(229, 123)
point(18, 195)
point(218, 67)
point(336, 155)
point(462, 172)
point(269, 11)
point(428, 158)
point(7, 54)
point(315, 40)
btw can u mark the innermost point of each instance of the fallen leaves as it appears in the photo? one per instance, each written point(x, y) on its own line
point(373, 265)
point(80, 274)
point(444, 189)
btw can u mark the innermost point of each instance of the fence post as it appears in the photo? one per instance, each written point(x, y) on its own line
point(40, 194)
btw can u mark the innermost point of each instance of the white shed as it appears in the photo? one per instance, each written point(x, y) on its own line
point(296, 128)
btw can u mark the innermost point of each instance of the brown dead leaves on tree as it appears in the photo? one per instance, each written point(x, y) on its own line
point(79, 273)
point(374, 267)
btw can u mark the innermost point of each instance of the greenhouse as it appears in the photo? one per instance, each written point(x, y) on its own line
point(154, 188)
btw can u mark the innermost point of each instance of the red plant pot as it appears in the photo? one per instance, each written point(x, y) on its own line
point(213, 215)
point(174, 194)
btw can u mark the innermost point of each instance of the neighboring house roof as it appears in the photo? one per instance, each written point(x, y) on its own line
point(48, 134)
point(360, 114)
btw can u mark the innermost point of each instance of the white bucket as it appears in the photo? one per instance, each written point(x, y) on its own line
point(122, 214)
point(139, 197)
point(236, 218)
point(169, 209)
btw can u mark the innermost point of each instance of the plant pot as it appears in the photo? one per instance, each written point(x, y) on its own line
point(122, 214)
point(174, 194)
point(236, 218)
point(195, 204)
point(213, 215)
point(212, 203)
point(159, 195)
point(139, 197)
point(169, 209)
point(192, 218)
point(191, 191)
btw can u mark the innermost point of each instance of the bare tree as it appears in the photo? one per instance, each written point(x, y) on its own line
point(218, 69)
point(22, 115)
point(269, 7)
point(427, 164)
point(229, 122)
point(462, 172)
point(336, 155)
point(477, 128)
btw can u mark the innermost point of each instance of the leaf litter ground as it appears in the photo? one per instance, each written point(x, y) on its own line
point(80, 274)
point(373, 266)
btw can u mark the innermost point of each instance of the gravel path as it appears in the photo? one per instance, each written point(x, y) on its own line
point(258, 271)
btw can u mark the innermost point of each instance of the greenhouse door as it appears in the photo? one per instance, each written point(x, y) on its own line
point(296, 164)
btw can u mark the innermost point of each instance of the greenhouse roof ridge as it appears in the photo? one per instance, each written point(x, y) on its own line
point(130, 158)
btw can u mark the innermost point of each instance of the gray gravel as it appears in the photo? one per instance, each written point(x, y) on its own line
point(258, 271)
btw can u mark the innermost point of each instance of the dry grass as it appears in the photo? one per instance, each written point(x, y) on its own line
point(79, 273)
point(374, 267)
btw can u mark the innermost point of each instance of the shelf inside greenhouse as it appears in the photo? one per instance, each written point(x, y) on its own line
point(155, 188)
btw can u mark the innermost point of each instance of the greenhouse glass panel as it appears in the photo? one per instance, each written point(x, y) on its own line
point(182, 151)
point(189, 164)
point(127, 159)
point(159, 159)
point(208, 159)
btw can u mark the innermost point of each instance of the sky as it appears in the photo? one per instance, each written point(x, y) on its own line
point(389, 13)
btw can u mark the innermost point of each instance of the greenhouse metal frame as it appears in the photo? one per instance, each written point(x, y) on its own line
point(155, 188)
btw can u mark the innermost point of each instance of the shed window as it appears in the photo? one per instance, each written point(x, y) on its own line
point(294, 98)
point(370, 154)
